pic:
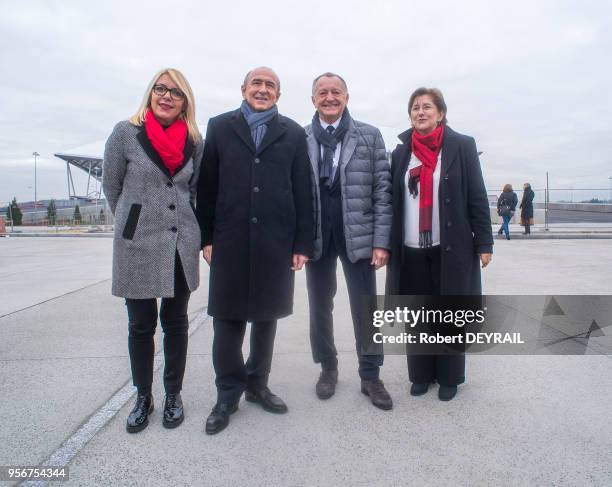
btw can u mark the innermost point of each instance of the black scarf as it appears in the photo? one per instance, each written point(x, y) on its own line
point(329, 142)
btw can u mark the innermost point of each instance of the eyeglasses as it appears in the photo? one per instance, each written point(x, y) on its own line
point(175, 93)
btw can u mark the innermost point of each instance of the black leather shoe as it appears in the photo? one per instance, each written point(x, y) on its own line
point(218, 419)
point(326, 385)
point(138, 418)
point(446, 393)
point(419, 389)
point(173, 411)
point(270, 402)
point(377, 392)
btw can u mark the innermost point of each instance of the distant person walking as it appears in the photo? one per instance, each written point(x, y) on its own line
point(506, 206)
point(527, 208)
point(151, 167)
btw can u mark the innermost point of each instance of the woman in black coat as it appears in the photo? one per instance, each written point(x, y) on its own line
point(527, 208)
point(441, 229)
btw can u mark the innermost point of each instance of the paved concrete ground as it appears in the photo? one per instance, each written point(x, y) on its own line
point(519, 420)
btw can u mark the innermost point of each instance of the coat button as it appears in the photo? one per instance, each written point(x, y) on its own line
point(169, 184)
point(448, 248)
point(174, 229)
point(254, 219)
point(256, 189)
point(172, 207)
point(447, 200)
point(257, 161)
point(446, 178)
point(449, 224)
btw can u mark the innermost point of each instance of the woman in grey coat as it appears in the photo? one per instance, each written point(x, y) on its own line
point(151, 168)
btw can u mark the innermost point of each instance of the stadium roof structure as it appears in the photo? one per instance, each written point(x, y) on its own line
point(89, 159)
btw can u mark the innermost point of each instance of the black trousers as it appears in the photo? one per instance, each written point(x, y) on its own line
point(233, 375)
point(322, 286)
point(420, 275)
point(142, 315)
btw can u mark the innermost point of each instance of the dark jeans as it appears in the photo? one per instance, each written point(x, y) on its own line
point(361, 282)
point(505, 225)
point(142, 315)
point(233, 376)
point(420, 275)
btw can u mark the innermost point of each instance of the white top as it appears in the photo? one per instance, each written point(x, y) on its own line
point(411, 207)
point(338, 147)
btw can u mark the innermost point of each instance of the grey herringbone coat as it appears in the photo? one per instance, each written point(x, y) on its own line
point(154, 215)
point(365, 182)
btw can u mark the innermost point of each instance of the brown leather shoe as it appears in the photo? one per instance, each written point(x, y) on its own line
point(326, 385)
point(377, 392)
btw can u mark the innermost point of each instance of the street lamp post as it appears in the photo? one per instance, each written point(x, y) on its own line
point(35, 154)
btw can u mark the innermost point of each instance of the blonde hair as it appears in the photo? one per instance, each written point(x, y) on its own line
point(188, 112)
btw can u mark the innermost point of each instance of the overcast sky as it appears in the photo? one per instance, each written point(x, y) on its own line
point(529, 80)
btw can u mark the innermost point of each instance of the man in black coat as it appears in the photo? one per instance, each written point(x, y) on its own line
point(255, 212)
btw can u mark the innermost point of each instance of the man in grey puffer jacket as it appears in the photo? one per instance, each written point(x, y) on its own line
point(352, 196)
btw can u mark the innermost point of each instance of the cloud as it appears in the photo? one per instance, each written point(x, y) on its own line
point(529, 80)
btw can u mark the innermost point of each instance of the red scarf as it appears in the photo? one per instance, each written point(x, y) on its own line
point(426, 148)
point(169, 142)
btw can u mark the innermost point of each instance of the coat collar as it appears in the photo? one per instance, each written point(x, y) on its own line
point(276, 128)
point(349, 143)
point(144, 141)
point(450, 146)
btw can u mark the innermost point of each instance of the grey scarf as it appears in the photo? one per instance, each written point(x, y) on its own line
point(257, 121)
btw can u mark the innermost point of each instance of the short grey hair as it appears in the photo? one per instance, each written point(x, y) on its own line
point(329, 75)
point(248, 75)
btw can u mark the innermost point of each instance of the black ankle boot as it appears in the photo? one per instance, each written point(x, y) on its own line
point(138, 418)
point(173, 411)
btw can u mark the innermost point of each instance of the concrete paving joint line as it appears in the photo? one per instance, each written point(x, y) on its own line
point(73, 445)
point(54, 298)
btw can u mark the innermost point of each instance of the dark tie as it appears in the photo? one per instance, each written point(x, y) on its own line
point(328, 160)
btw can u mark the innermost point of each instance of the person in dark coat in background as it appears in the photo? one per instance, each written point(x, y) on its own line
point(441, 228)
point(527, 208)
point(255, 212)
point(506, 206)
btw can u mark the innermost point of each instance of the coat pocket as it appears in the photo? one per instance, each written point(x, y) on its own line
point(132, 220)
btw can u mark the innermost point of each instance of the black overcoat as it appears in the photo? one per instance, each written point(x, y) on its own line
point(465, 221)
point(255, 208)
point(527, 204)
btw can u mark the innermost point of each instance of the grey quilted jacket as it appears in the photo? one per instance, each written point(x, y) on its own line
point(154, 215)
point(365, 181)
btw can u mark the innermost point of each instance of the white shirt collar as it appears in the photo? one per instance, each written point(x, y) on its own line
point(325, 124)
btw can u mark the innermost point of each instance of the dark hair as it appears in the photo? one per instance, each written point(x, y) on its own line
point(436, 96)
point(507, 188)
point(329, 75)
